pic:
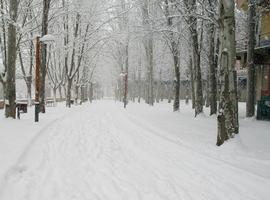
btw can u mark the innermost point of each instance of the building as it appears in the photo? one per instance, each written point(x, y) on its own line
point(262, 51)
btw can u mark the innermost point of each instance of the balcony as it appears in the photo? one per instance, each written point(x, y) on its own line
point(263, 40)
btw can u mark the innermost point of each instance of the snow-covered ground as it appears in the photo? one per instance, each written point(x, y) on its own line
point(102, 151)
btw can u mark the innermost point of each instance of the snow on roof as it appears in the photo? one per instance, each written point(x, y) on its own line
point(47, 38)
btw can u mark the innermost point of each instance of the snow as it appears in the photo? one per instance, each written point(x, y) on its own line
point(16, 137)
point(102, 151)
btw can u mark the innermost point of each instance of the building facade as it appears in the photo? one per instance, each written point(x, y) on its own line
point(262, 52)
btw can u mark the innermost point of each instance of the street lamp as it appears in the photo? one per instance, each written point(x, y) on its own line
point(45, 39)
point(37, 79)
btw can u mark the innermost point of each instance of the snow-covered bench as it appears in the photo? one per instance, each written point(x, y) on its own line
point(2, 104)
point(21, 108)
point(49, 102)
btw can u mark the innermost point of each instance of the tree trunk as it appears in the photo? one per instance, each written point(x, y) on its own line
point(139, 85)
point(68, 93)
point(212, 71)
point(159, 89)
point(10, 94)
point(150, 72)
point(250, 106)
point(29, 89)
point(3, 44)
point(134, 87)
point(212, 79)
point(126, 74)
point(91, 93)
point(148, 44)
point(65, 90)
point(54, 96)
point(176, 103)
point(29, 77)
point(228, 111)
point(82, 94)
point(3, 40)
point(175, 54)
point(192, 82)
point(187, 93)
point(197, 68)
point(192, 22)
point(170, 88)
point(76, 93)
point(60, 93)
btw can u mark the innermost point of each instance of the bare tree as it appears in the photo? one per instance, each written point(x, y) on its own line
point(228, 111)
point(250, 106)
point(211, 58)
point(174, 46)
point(192, 23)
point(148, 45)
point(10, 93)
point(3, 43)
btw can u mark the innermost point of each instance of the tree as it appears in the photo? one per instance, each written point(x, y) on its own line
point(72, 71)
point(250, 106)
point(3, 44)
point(211, 58)
point(81, 27)
point(28, 24)
point(192, 23)
point(148, 45)
point(174, 46)
point(125, 29)
point(56, 72)
point(228, 111)
point(10, 93)
point(44, 31)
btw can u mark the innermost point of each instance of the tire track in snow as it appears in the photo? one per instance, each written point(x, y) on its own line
point(17, 168)
point(180, 144)
point(201, 156)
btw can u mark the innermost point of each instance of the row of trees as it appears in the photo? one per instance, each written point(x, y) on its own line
point(198, 39)
point(76, 36)
point(151, 45)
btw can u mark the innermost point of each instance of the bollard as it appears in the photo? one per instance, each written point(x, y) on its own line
point(36, 111)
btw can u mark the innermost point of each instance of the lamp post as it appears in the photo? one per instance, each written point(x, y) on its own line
point(37, 79)
point(45, 39)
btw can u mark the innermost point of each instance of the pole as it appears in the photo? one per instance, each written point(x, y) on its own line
point(37, 80)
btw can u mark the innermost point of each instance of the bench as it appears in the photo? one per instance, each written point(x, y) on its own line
point(21, 108)
point(50, 102)
point(2, 104)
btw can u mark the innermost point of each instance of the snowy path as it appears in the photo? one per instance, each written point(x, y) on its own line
point(102, 153)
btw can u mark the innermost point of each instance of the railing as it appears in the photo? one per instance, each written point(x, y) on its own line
point(263, 40)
